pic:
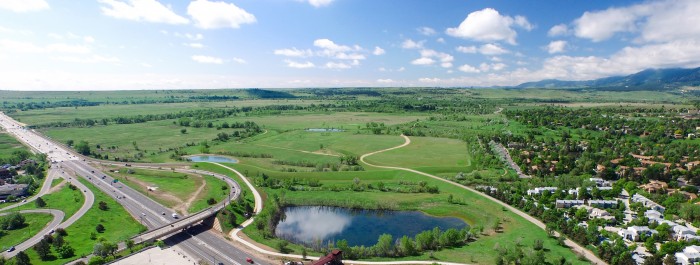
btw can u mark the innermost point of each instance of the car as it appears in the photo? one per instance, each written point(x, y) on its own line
point(163, 213)
point(51, 232)
point(249, 260)
point(12, 248)
point(144, 214)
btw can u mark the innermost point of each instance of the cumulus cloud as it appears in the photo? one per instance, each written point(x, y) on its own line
point(423, 61)
point(193, 37)
point(141, 10)
point(485, 67)
point(88, 59)
point(207, 59)
point(378, 51)
point(601, 25)
point(337, 65)
point(492, 49)
point(22, 6)
point(468, 69)
point(556, 46)
point(429, 80)
point(194, 45)
point(294, 64)
point(410, 44)
point(385, 81)
point(293, 52)
point(238, 60)
point(466, 49)
point(213, 15)
point(427, 31)
point(320, 3)
point(488, 25)
point(558, 30)
point(429, 57)
point(29, 47)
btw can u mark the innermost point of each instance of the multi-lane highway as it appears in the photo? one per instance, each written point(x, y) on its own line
point(197, 241)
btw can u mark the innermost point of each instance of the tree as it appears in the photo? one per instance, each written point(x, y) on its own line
point(130, 244)
point(12, 221)
point(61, 232)
point(384, 245)
point(211, 201)
point(653, 260)
point(103, 206)
point(232, 219)
point(303, 253)
point(183, 131)
point(43, 249)
point(408, 247)
point(670, 259)
point(22, 259)
point(58, 241)
point(100, 228)
point(69, 142)
point(83, 147)
point(39, 202)
point(65, 251)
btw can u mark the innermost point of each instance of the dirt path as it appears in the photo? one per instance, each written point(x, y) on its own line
point(57, 187)
point(573, 245)
point(182, 208)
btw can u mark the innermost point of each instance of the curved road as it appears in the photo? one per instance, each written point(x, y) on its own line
point(577, 248)
point(57, 218)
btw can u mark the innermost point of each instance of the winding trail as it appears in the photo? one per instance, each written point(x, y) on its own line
point(573, 245)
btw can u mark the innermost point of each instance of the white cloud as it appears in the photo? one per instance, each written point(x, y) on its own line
point(333, 50)
point(293, 52)
point(207, 59)
point(488, 25)
point(147, 65)
point(89, 59)
point(492, 49)
point(423, 61)
point(15, 31)
point(410, 44)
point(21, 6)
point(429, 80)
point(331, 46)
point(194, 45)
point(89, 39)
point(401, 69)
point(378, 51)
point(238, 60)
point(466, 49)
point(299, 65)
point(485, 67)
point(320, 3)
point(556, 46)
point(334, 65)
point(28, 47)
point(141, 10)
point(601, 25)
point(193, 37)
point(213, 15)
point(558, 30)
point(427, 31)
point(440, 40)
point(385, 81)
point(468, 69)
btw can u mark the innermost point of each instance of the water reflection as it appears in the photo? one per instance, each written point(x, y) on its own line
point(217, 159)
point(311, 225)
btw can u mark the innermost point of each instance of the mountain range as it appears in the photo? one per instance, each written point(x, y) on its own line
point(650, 79)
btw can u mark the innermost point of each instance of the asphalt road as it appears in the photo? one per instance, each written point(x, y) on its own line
point(205, 245)
point(57, 218)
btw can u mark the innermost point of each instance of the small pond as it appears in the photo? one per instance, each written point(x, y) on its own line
point(309, 224)
point(207, 158)
point(323, 130)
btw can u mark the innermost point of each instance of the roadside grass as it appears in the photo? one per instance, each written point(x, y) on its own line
point(119, 225)
point(211, 190)
point(236, 208)
point(56, 181)
point(176, 184)
point(34, 223)
point(8, 144)
point(65, 199)
point(470, 207)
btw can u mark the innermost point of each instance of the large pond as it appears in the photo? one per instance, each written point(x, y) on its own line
point(310, 224)
point(207, 158)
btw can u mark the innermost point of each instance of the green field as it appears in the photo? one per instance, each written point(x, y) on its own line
point(214, 190)
point(65, 199)
point(426, 154)
point(34, 223)
point(8, 144)
point(173, 188)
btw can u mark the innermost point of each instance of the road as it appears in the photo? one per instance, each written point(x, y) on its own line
point(576, 247)
point(205, 245)
point(57, 218)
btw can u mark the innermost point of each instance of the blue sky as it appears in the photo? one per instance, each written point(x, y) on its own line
point(168, 44)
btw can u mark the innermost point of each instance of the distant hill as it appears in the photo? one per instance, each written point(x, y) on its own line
point(650, 79)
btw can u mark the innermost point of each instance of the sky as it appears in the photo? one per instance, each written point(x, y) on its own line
point(176, 44)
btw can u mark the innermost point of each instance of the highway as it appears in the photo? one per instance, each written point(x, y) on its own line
point(197, 241)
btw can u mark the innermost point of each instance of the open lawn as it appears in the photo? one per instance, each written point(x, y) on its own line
point(8, 144)
point(34, 223)
point(332, 142)
point(426, 153)
point(213, 189)
point(65, 199)
point(169, 188)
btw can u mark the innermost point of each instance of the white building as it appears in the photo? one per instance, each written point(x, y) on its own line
point(539, 190)
point(600, 182)
point(568, 203)
point(648, 203)
point(635, 233)
point(690, 255)
point(682, 232)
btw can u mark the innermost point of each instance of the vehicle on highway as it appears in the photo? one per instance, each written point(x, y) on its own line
point(249, 260)
point(11, 249)
point(163, 213)
point(175, 215)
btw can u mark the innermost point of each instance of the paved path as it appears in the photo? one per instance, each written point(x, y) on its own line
point(505, 155)
point(57, 218)
point(573, 245)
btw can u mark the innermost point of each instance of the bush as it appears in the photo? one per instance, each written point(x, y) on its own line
point(100, 228)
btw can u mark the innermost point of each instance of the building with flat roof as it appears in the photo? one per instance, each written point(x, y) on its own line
point(16, 190)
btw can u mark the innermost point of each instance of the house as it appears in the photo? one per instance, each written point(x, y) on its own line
point(654, 186)
point(635, 233)
point(537, 191)
point(333, 258)
point(681, 231)
point(603, 203)
point(648, 203)
point(568, 203)
point(597, 213)
point(690, 255)
point(16, 190)
point(26, 162)
point(601, 182)
point(653, 215)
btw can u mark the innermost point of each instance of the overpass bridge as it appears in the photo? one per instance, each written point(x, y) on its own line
point(179, 225)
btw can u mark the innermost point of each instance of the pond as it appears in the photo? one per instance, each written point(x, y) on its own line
point(323, 130)
point(309, 224)
point(208, 158)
